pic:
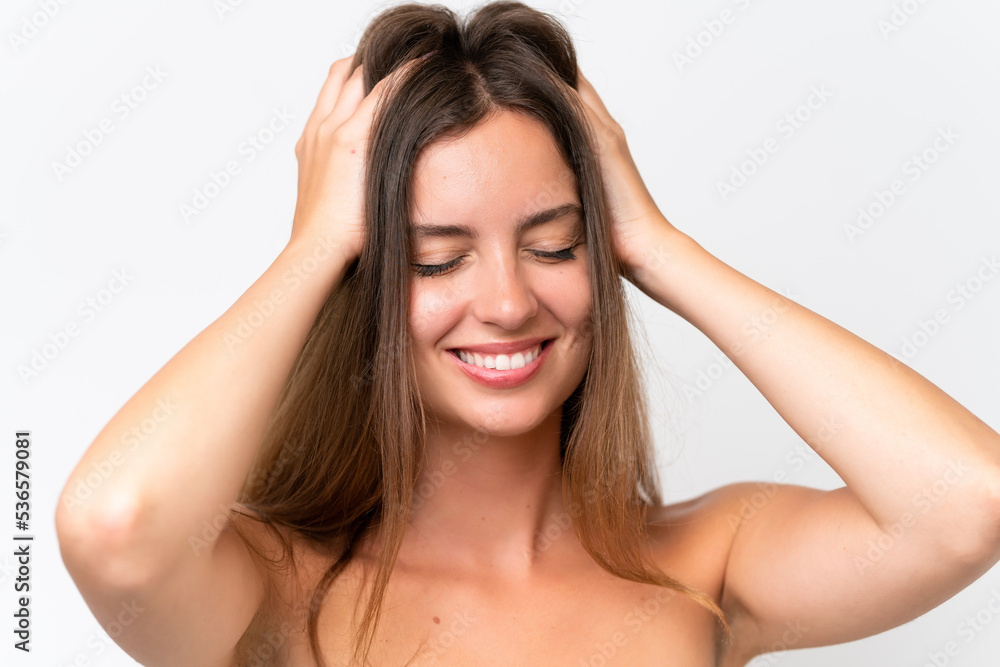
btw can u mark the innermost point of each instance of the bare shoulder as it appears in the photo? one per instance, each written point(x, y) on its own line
point(693, 539)
point(708, 517)
point(718, 514)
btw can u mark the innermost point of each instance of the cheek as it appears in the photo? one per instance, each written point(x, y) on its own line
point(569, 299)
point(567, 295)
point(432, 310)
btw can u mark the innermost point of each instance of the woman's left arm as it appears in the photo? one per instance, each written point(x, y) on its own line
point(919, 518)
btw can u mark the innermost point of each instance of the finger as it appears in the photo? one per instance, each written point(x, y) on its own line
point(340, 72)
point(577, 92)
point(365, 106)
point(351, 95)
point(590, 96)
point(591, 117)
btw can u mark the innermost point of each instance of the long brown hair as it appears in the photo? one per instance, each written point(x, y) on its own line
point(342, 451)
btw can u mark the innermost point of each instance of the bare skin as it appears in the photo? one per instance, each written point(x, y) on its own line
point(562, 610)
point(473, 584)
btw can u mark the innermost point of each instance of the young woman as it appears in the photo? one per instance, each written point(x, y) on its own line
point(420, 437)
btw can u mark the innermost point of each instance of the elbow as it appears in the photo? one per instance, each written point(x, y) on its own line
point(975, 541)
point(992, 508)
point(98, 542)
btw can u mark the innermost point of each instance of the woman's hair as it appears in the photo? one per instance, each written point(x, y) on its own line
point(343, 449)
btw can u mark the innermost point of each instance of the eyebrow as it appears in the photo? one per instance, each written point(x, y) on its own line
point(523, 225)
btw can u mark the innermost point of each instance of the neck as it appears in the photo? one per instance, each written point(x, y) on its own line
point(488, 501)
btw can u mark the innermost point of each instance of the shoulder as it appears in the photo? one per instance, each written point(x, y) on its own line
point(697, 534)
point(713, 514)
point(723, 510)
point(690, 539)
point(693, 541)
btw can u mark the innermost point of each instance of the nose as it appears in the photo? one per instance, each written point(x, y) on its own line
point(504, 296)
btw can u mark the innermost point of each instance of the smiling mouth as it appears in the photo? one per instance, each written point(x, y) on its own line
point(502, 362)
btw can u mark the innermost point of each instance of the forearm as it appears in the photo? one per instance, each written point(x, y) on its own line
point(899, 443)
point(179, 450)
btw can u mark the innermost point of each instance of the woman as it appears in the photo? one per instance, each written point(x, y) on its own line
point(435, 381)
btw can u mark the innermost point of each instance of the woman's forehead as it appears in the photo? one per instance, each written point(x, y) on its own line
point(506, 167)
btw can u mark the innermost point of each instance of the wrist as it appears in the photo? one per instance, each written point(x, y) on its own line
point(306, 256)
point(660, 262)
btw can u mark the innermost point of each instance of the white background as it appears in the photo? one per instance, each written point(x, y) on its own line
point(689, 125)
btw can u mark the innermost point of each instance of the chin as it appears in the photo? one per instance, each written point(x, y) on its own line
point(501, 416)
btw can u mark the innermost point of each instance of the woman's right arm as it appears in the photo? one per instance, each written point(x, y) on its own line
point(148, 543)
point(177, 454)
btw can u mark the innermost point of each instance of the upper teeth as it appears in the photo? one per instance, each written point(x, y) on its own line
point(501, 362)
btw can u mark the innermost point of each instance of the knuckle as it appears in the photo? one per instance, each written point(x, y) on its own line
point(613, 133)
point(326, 128)
point(342, 66)
point(333, 133)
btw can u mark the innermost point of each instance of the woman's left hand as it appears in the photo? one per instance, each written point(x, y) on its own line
point(637, 225)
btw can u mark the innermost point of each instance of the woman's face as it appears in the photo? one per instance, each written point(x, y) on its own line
point(472, 196)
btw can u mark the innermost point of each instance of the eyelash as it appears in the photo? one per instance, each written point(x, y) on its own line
point(429, 270)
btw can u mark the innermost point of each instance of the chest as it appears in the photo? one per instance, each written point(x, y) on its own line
point(582, 619)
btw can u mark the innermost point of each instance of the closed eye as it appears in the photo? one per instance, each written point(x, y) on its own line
point(428, 270)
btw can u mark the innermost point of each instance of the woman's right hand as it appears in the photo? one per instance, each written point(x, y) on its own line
point(331, 155)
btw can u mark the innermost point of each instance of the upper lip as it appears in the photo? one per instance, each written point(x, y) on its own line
point(502, 348)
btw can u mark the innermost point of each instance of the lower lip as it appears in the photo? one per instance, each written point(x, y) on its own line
point(503, 379)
